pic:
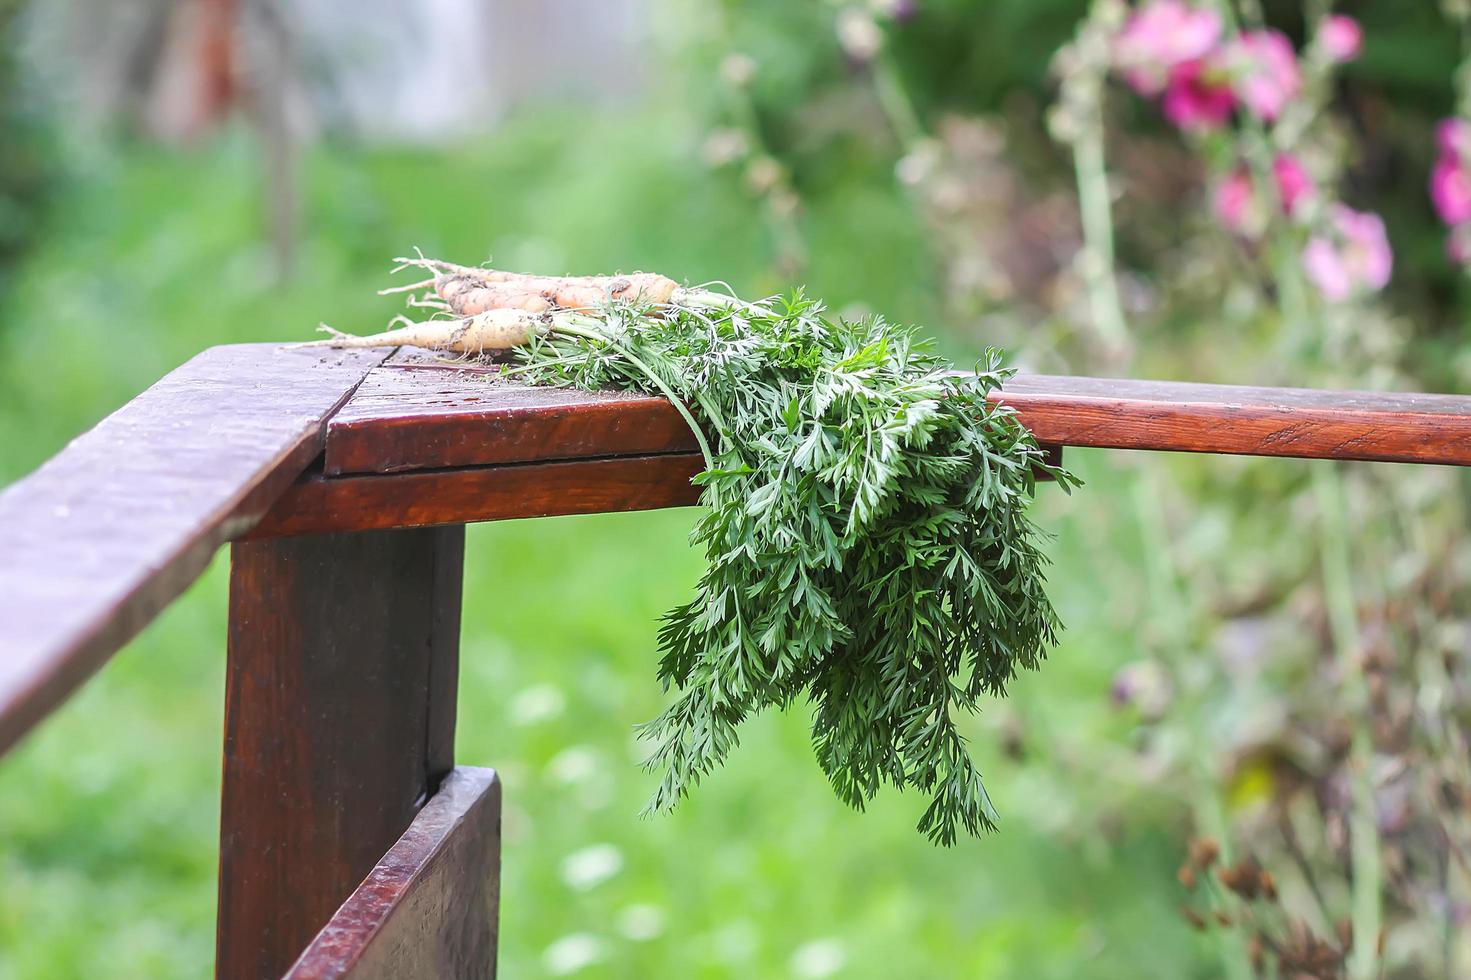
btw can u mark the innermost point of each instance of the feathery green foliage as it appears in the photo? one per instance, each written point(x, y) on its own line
point(866, 533)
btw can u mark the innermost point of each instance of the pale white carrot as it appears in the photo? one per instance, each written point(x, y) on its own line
point(492, 330)
point(469, 290)
point(469, 294)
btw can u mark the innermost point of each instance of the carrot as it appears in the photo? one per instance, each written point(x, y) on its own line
point(468, 295)
point(491, 330)
point(467, 291)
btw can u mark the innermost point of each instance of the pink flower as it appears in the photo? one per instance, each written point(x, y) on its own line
point(1354, 257)
point(1158, 37)
point(1294, 184)
point(1198, 97)
point(1453, 136)
point(1340, 37)
point(1267, 75)
point(902, 11)
point(1450, 191)
point(1450, 178)
point(1235, 198)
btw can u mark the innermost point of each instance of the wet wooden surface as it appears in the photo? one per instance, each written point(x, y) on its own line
point(463, 445)
point(339, 724)
point(428, 910)
point(1235, 420)
point(420, 413)
point(98, 540)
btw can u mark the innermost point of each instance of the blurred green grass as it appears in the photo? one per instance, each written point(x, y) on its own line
point(108, 813)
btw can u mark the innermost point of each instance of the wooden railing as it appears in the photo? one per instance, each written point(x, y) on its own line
point(350, 845)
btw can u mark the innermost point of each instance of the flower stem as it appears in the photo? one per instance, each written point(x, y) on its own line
point(895, 101)
point(1096, 212)
point(1363, 816)
point(1167, 600)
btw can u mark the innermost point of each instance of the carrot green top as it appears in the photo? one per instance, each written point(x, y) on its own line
point(866, 534)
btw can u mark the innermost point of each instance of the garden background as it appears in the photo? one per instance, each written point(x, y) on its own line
point(1269, 655)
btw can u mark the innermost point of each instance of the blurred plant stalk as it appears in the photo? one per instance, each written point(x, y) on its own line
point(1169, 608)
point(765, 176)
point(1366, 875)
point(1077, 121)
point(1314, 783)
point(1338, 589)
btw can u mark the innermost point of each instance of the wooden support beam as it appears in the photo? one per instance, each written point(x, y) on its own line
point(484, 493)
point(428, 910)
point(339, 724)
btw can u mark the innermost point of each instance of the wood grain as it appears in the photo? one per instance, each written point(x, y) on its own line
point(1236, 420)
point(410, 414)
point(98, 540)
point(339, 724)
point(486, 493)
point(428, 910)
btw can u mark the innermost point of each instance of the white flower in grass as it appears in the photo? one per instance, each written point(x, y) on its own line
point(819, 958)
point(591, 866)
point(572, 953)
point(540, 702)
point(737, 941)
point(641, 922)
point(573, 765)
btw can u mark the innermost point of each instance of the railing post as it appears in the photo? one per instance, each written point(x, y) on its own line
point(339, 723)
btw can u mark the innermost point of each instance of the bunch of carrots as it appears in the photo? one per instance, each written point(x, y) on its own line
point(481, 311)
point(477, 311)
point(864, 516)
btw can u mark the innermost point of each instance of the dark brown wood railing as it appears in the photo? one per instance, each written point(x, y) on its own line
point(350, 844)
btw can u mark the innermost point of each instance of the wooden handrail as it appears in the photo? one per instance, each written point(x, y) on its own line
point(426, 442)
point(1305, 423)
point(99, 540)
point(95, 543)
point(417, 413)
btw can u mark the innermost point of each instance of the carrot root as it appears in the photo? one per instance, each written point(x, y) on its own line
point(468, 294)
point(497, 310)
point(490, 331)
